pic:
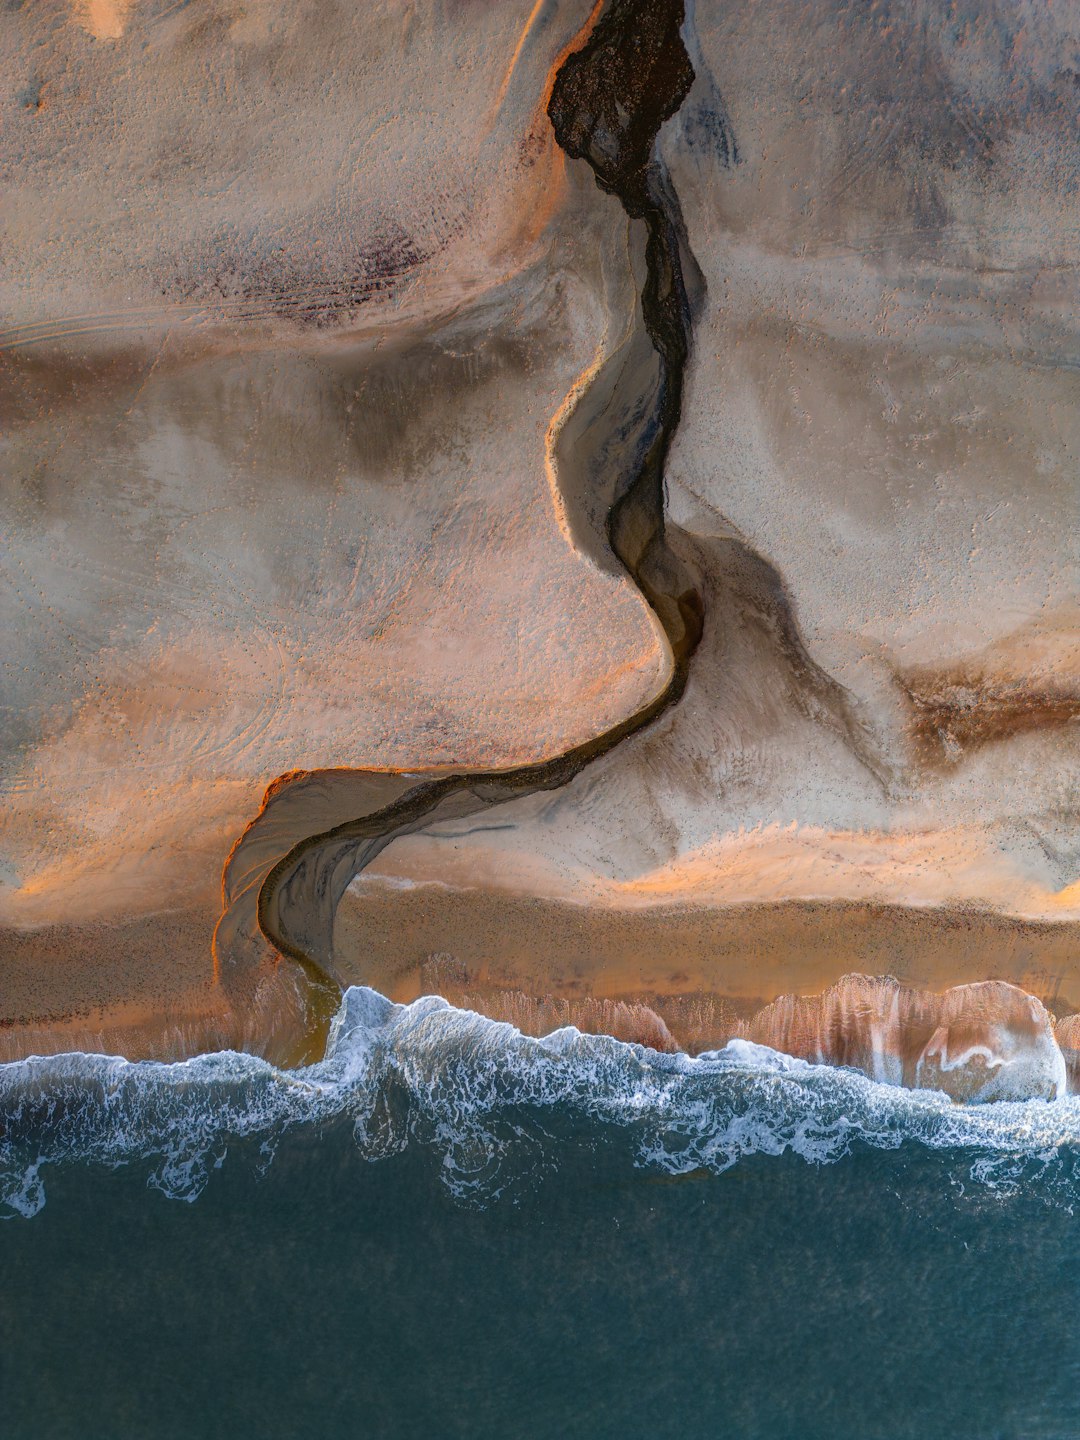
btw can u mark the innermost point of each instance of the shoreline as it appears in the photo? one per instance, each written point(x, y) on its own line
point(673, 976)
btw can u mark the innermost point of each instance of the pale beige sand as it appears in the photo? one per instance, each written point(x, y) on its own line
point(278, 363)
point(278, 360)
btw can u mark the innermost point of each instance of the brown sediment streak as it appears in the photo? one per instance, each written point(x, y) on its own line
point(955, 715)
point(287, 873)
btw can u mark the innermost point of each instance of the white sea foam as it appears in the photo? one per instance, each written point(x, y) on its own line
point(491, 1102)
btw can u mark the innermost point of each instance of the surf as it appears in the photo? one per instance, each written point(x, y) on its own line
point(488, 1103)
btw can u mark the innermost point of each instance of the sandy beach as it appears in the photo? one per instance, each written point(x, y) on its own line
point(705, 970)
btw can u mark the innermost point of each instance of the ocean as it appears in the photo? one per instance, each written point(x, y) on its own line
point(448, 1229)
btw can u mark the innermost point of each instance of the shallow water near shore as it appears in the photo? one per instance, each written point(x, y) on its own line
point(737, 1244)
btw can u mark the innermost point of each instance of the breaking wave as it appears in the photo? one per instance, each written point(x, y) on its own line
point(493, 1106)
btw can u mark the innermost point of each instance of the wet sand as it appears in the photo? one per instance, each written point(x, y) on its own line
point(693, 965)
point(703, 971)
point(57, 973)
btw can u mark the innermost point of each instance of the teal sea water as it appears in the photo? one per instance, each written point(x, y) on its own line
point(445, 1229)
